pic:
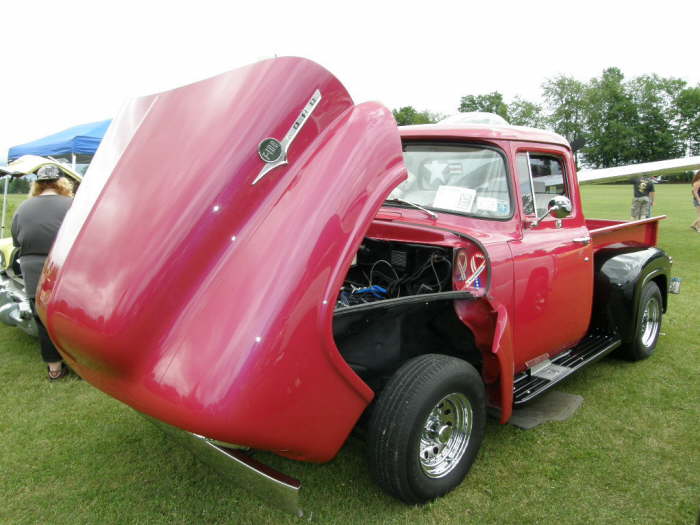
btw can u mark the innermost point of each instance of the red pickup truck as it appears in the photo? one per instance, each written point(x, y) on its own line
point(296, 261)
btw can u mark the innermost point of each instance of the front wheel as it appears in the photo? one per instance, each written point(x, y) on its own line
point(647, 323)
point(426, 428)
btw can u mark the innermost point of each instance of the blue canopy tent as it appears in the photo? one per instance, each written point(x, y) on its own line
point(78, 144)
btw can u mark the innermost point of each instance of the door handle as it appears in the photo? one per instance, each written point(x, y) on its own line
point(582, 240)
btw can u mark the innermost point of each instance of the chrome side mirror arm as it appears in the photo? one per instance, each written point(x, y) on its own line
point(559, 207)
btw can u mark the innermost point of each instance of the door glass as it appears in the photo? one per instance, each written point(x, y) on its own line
point(541, 177)
point(525, 183)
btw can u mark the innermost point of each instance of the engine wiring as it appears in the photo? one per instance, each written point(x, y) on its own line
point(430, 273)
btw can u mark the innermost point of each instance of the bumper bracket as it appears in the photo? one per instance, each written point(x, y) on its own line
point(275, 488)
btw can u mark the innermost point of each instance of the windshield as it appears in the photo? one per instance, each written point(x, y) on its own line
point(469, 179)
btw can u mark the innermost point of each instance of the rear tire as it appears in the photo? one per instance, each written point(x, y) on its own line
point(426, 427)
point(647, 324)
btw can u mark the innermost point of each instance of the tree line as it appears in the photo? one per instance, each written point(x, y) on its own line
point(17, 185)
point(619, 121)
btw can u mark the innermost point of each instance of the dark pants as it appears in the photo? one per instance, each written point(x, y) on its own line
point(48, 351)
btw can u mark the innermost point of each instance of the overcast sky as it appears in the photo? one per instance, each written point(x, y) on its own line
point(70, 62)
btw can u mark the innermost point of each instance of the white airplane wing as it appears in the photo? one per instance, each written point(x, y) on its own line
point(661, 167)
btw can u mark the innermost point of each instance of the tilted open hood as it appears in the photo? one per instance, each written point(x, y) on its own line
point(196, 274)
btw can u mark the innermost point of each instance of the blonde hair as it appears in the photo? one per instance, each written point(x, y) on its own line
point(696, 177)
point(62, 186)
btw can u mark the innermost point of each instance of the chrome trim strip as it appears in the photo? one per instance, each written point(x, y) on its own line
point(410, 299)
point(275, 488)
point(532, 183)
point(291, 135)
point(582, 240)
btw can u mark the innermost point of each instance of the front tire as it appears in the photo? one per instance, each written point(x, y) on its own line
point(647, 324)
point(426, 427)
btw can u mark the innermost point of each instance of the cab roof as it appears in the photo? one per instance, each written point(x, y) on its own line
point(481, 131)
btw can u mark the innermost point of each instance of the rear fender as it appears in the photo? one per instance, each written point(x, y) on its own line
point(620, 275)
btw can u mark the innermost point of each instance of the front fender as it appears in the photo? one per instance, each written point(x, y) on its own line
point(490, 323)
point(502, 348)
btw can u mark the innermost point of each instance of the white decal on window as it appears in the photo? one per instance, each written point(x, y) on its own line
point(454, 198)
point(487, 204)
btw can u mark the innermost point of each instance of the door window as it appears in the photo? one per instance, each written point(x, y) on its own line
point(540, 177)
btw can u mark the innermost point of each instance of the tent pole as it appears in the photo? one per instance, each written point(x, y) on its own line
point(73, 157)
point(4, 207)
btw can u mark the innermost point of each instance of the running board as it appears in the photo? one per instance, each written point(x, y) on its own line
point(544, 375)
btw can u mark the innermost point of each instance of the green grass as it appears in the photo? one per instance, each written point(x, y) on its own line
point(13, 200)
point(631, 454)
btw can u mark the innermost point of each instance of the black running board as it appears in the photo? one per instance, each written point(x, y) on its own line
point(543, 376)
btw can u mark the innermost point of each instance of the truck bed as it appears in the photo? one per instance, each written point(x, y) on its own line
point(605, 232)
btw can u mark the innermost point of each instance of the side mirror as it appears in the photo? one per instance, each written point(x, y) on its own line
point(559, 207)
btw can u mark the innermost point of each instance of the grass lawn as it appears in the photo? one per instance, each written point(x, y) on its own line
point(631, 454)
point(13, 200)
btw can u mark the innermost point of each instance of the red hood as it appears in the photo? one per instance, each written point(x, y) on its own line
point(193, 294)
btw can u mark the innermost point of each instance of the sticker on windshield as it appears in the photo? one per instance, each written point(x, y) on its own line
point(487, 204)
point(454, 198)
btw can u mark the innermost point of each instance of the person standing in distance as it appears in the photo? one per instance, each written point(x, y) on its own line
point(643, 197)
point(695, 190)
point(34, 228)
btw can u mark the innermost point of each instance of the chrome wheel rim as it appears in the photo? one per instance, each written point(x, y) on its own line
point(651, 320)
point(445, 435)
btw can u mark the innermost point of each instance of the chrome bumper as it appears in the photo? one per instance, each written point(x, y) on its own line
point(14, 306)
point(273, 487)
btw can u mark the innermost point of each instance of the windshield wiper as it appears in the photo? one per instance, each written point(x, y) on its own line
point(414, 205)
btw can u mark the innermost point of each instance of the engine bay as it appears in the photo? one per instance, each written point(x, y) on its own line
point(388, 270)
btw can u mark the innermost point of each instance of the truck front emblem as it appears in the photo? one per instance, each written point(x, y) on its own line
point(274, 152)
point(270, 150)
